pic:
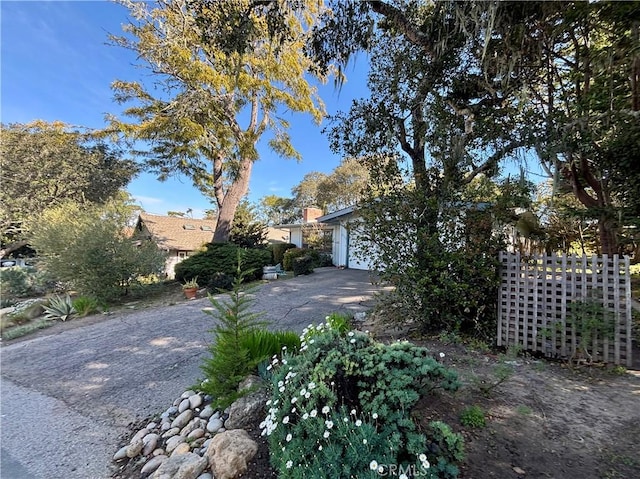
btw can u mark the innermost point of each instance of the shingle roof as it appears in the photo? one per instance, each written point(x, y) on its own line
point(185, 234)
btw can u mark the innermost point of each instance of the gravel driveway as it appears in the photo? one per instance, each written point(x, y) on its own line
point(69, 393)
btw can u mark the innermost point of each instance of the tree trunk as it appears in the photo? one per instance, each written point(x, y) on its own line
point(608, 236)
point(232, 198)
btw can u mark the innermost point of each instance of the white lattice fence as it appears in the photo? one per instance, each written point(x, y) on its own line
point(539, 302)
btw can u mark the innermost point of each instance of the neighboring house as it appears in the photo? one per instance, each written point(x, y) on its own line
point(300, 234)
point(346, 225)
point(179, 237)
point(277, 235)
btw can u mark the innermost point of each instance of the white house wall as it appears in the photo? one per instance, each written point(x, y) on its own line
point(296, 237)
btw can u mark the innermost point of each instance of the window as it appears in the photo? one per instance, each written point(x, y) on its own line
point(189, 226)
point(206, 228)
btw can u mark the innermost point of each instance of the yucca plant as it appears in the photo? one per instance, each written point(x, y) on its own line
point(59, 307)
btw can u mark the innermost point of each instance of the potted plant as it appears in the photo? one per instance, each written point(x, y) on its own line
point(190, 288)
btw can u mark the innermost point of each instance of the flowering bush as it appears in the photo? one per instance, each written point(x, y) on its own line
point(341, 408)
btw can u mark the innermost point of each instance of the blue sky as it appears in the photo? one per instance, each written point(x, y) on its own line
point(56, 65)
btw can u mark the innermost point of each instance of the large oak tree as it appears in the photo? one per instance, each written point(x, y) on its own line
point(225, 74)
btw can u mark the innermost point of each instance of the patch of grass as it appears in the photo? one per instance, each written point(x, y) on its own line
point(524, 410)
point(25, 329)
point(473, 416)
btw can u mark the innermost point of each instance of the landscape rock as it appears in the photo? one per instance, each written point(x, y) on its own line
point(207, 412)
point(139, 435)
point(246, 410)
point(159, 452)
point(121, 454)
point(181, 448)
point(182, 420)
point(171, 432)
point(192, 425)
point(230, 452)
point(183, 466)
point(195, 434)
point(172, 443)
point(134, 449)
point(183, 406)
point(214, 425)
point(251, 382)
point(195, 401)
point(205, 475)
point(188, 393)
point(150, 441)
point(153, 464)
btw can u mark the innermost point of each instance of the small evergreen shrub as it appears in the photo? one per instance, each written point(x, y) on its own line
point(342, 408)
point(222, 258)
point(302, 265)
point(238, 346)
point(15, 281)
point(278, 250)
point(219, 281)
point(318, 259)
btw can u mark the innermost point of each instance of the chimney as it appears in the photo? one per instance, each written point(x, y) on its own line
point(309, 215)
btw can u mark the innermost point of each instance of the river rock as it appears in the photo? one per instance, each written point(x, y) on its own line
point(121, 454)
point(172, 410)
point(139, 435)
point(187, 393)
point(195, 401)
point(192, 425)
point(214, 425)
point(182, 420)
point(171, 432)
point(205, 475)
point(183, 466)
point(150, 441)
point(195, 434)
point(181, 448)
point(229, 453)
point(134, 449)
point(207, 412)
point(151, 425)
point(172, 443)
point(153, 464)
point(158, 452)
point(183, 406)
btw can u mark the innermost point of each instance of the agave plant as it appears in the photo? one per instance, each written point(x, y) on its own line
point(59, 307)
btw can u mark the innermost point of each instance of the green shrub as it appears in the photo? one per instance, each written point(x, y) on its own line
point(262, 345)
point(341, 408)
point(59, 307)
point(86, 305)
point(339, 322)
point(473, 416)
point(318, 259)
point(14, 282)
point(278, 250)
point(230, 360)
point(302, 265)
point(219, 282)
point(222, 258)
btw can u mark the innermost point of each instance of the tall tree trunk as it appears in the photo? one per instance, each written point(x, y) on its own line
point(608, 235)
point(232, 198)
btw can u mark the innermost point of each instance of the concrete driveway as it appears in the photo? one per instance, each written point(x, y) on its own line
point(68, 394)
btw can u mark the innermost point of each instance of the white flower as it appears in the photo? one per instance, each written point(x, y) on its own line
point(268, 403)
point(351, 333)
point(325, 410)
point(352, 341)
point(326, 434)
point(313, 413)
point(312, 385)
point(422, 457)
point(353, 412)
point(285, 420)
point(294, 400)
point(284, 348)
point(320, 447)
point(373, 465)
point(269, 367)
point(293, 410)
point(308, 395)
point(332, 383)
point(380, 469)
point(426, 464)
point(281, 389)
point(284, 361)
point(442, 355)
point(403, 476)
point(346, 419)
point(303, 391)
point(358, 423)
point(289, 464)
point(289, 437)
point(280, 383)
point(364, 441)
point(326, 318)
point(305, 416)
point(311, 341)
point(329, 424)
point(374, 415)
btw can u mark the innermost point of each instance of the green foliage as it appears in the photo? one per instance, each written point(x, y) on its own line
point(278, 250)
point(219, 282)
point(14, 282)
point(222, 258)
point(262, 344)
point(59, 307)
point(191, 283)
point(86, 305)
point(86, 247)
point(473, 416)
point(302, 265)
point(230, 360)
point(25, 329)
point(60, 165)
point(247, 230)
point(344, 402)
point(219, 90)
point(340, 323)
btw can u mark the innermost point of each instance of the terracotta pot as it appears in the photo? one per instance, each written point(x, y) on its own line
point(190, 293)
